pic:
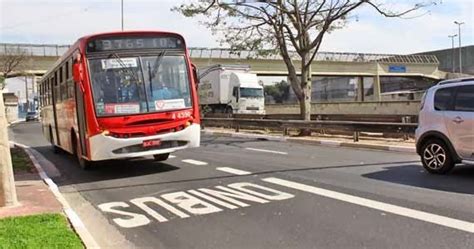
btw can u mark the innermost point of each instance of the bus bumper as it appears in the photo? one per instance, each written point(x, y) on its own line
point(104, 147)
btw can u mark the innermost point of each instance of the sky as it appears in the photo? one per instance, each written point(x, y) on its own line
point(62, 22)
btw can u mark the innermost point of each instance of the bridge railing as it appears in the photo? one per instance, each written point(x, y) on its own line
point(223, 53)
point(34, 49)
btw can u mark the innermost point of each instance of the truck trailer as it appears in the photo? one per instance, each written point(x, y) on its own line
point(230, 89)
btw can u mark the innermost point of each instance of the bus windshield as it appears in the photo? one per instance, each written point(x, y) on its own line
point(140, 84)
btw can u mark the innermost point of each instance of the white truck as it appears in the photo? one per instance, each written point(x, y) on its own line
point(230, 89)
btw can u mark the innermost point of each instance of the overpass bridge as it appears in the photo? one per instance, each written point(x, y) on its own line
point(375, 68)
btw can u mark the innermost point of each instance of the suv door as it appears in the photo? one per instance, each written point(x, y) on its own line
point(459, 121)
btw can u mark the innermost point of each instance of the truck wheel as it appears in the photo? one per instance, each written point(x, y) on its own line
point(228, 110)
point(436, 157)
point(161, 157)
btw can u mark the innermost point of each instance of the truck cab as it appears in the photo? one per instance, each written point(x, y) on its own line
point(231, 89)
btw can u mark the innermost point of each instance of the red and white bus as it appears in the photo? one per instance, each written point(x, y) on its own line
point(122, 95)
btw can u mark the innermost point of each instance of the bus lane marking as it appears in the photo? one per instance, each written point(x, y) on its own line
point(193, 202)
point(267, 151)
point(390, 208)
point(194, 162)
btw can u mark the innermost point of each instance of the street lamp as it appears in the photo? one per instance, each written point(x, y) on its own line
point(452, 47)
point(459, 33)
point(122, 12)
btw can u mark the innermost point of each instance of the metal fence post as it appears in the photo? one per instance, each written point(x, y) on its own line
point(405, 120)
point(356, 136)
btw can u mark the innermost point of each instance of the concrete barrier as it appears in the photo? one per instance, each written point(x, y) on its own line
point(408, 108)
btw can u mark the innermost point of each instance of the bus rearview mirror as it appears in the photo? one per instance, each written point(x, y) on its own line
point(195, 74)
point(77, 72)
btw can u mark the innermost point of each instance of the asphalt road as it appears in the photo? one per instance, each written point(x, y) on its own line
point(245, 193)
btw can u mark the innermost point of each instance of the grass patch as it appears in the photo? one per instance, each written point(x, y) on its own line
point(37, 231)
point(20, 160)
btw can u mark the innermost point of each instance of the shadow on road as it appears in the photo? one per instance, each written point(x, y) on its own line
point(460, 180)
point(71, 173)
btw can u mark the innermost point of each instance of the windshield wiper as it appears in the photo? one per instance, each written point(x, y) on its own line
point(151, 74)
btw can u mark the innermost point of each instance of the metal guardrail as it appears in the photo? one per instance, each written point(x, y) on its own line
point(393, 118)
point(224, 53)
point(404, 129)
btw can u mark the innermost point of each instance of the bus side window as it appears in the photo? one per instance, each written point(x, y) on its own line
point(70, 82)
point(64, 92)
point(57, 89)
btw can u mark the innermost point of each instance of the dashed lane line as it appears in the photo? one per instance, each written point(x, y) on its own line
point(394, 209)
point(171, 156)
point(268, 151)
point(194, 162)
point(234, 171)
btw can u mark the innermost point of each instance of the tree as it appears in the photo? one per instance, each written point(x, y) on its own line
point(294, 29)
point(11, 60)
point(280, 91)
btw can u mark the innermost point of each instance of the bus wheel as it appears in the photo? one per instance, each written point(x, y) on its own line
point(161, 157)
point(83, 163)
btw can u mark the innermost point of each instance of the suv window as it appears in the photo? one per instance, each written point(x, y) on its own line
point(443, 99)
point(464, 99)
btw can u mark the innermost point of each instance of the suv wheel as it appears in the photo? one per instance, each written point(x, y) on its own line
point(436, 157)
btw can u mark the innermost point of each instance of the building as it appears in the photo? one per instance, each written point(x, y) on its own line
point(11, 106)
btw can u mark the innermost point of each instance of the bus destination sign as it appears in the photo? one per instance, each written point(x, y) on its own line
point(131, 43)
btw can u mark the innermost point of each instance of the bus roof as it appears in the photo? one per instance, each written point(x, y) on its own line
point(81, 42)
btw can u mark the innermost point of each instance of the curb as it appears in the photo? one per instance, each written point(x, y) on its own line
point(76, 222)
point(330, 143)
point(15, 122)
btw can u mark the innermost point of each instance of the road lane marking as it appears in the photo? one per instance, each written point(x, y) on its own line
point(195, 162)
point(268, 151)
point(192, 202)
point(390, 208)
point(234, 171)
point(171, 156)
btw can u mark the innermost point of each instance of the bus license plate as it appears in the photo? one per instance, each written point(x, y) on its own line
point(151, 143)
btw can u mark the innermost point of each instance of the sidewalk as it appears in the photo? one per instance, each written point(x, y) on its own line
point(39, 219)
point(34, 197)
point(376, 143)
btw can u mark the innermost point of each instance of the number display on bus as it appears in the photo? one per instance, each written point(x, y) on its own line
point(125, 43)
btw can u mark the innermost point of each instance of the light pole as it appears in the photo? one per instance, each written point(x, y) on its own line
point(122, 12)
point(459, 34)
point(452, 47)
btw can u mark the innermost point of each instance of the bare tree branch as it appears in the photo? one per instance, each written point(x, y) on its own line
point(285, 26)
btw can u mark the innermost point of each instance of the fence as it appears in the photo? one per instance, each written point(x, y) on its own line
point(403, 129)
point(223, 53)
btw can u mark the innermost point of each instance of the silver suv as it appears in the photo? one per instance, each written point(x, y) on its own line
point(445, 133)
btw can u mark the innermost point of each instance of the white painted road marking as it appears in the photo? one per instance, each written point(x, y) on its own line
point(268, 151)
point(193, 202)
point(195, 162)
point(234, 171)
point(171, 156)
point(402, 211)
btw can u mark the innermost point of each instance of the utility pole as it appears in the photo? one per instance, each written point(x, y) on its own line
point(26, 93)
point(459, 34)
point(122, 13)
point(452, 49)
point(7, 183)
